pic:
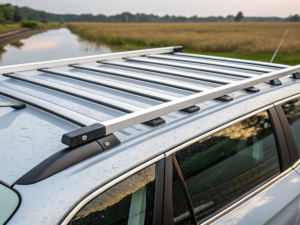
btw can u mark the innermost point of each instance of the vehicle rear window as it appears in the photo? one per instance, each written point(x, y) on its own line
point(9, 201)
point(129, 202)
point(292, 112)
point(223, 167)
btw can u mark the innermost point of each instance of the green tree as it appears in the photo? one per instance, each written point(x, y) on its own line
point(239, 17)
point(295, 18)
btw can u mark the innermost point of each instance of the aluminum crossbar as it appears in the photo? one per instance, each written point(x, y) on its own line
point(166, 108)
point(169, 71)
point(113, 85)
point(223, 64)
point(59, 111)
point(193, 67)
point(111, 103)
point(217, 58)
point(138, 76)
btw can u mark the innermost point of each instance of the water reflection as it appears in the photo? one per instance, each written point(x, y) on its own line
point(50, 45)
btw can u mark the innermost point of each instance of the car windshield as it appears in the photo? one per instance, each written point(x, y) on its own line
point(9, 202)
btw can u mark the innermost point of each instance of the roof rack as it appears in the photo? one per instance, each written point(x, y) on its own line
point(135, 115)
point(192, 67)
point(111, 103)
point(142, 77)
point(223, 64)
point(175, 73)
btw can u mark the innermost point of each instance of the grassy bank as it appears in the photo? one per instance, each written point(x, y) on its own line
point(9, 27)
point(255, 41)
point(41, 26)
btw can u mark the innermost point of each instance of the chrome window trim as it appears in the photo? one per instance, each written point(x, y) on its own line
point(94, 194)
point(180, 147)
point(286, 100)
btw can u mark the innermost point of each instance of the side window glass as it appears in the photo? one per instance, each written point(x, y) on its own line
point(292, 112)
point(223, 167)
point(129, 202)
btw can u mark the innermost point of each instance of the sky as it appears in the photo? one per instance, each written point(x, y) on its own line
point(202, 8)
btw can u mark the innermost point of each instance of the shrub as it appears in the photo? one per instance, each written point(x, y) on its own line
point(29, 23)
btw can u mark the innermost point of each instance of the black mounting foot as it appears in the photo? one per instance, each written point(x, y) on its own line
point(296, 75)
point(275, 82)
point(178, 49)
point(191, 109)
point(155, 122)
point(84, 135)
point(252, 89)
point(224, 98)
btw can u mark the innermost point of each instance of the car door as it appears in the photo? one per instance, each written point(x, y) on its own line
point(240, 173)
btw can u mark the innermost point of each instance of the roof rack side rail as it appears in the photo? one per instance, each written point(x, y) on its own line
point(14, 105)
point(118, 86)
point(85, 59)
point(218, 58)
point(215, 63)
point(163, 109)
point(59, 111)
point(174, 73)
point(192, 67)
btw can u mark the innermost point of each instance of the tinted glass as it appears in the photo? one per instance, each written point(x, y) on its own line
point(226, 165)
point(292, 112)
point(129, 202)
point(9, 201)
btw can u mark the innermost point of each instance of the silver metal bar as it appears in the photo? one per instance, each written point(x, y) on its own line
point(111, 103)
point(166, 108)
point(278, 47)
point(59, 111)
point(114, 85)
point(15, 105)
point(169, 71)
point(193, 67)
point(86, 59)
point(223, 64)
point(217, 58)
point(138, 76)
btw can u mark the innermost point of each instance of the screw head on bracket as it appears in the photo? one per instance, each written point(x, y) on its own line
point(107, 143)
point(84, 137)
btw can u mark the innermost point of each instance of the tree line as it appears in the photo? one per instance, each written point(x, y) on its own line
point(10, 13)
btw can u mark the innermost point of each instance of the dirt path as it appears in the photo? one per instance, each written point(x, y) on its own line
point(15, 35)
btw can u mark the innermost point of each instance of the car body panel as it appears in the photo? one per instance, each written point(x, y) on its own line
point(67, 187)
point(278, 204)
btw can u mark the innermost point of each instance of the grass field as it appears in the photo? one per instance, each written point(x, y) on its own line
point(255, 41)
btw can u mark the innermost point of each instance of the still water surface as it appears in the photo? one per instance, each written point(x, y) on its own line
point(49, 45)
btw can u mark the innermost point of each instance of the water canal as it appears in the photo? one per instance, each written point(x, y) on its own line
point(49, 45)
